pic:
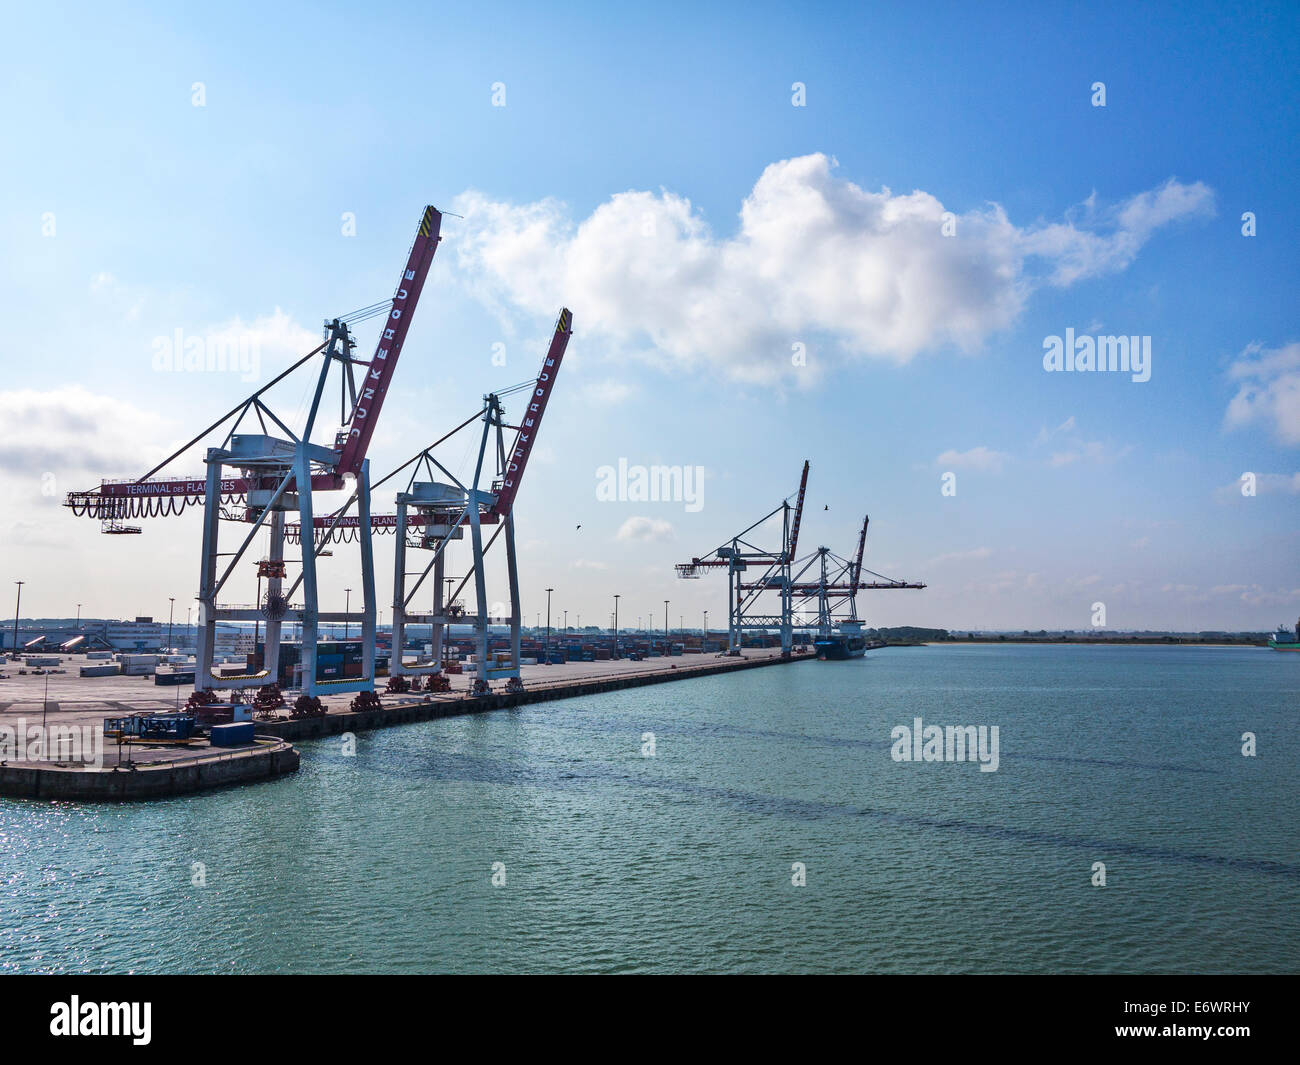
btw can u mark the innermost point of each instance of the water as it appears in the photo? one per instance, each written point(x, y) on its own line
point(682, 862)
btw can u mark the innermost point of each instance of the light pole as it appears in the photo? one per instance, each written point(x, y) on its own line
point(347, 607)
point(566, 623)
point(171, 613)
point(548, 625)
point(666, 647)
point(17, 605)
point(705, 639)
point(257, 618)
point(615, 626)
point(78, 617)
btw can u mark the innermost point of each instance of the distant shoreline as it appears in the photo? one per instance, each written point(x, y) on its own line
point(1136, 641)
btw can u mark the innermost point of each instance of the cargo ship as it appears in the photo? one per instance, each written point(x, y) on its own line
point(1284, 639)
point(849, 642)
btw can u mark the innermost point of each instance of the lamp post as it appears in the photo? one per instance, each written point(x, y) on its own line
point(347, 607)
point(705, 638)
point(17, 606)
point(548, 625)
point(566, 623)
point(171, 613)
point(616, 598)
point(257, 618)
point(78, 617)
point(667, 648)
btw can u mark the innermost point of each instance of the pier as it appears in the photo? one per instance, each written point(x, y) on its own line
point(147, 771)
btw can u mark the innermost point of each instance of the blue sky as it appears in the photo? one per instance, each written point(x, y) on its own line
point(923, 352)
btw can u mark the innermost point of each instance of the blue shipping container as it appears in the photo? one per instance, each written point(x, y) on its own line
point(235, 734)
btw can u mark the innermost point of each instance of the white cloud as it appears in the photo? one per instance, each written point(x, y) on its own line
point(1067, 426)
point(1118, 234)
point(977, 458)
point(606, 393)
point(1254, 595)
point(961, 556)
point(814, 255)
point(1269, 390)
point(1092, 451)
point(276, 337)
point(111, 293)
point(1076, 448)
point(638, 528)
point(73, 431)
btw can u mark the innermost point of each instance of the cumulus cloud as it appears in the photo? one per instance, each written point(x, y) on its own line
point(252, 349)
point(1097, 242)
point(276, 335)
point(815, 256)
point(72, 430)
point(638, 528)
point(1269, 391)
point(979, 458)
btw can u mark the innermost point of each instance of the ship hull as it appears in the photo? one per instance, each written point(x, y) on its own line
point(839, 648)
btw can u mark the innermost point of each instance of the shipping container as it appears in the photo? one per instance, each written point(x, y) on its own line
point(235, 734)
point(108, 669)
point(155, 727)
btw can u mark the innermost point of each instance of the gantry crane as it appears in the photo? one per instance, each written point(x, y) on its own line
point(831, 589)
point(827, 587)
point(435, 508)
point(743, 598)
point(277, 474)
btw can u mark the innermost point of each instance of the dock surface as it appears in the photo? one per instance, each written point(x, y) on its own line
point(149, 771)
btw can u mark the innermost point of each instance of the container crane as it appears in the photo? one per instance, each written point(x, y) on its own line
point(273, 475)
point(821, 583)
point(436, 507)
point(827, 586)
point(743, 598)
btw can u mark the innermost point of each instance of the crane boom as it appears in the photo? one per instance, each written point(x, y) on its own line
point(798, 512)
point(862, 546)
point(370, 399)
point(532, 419)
